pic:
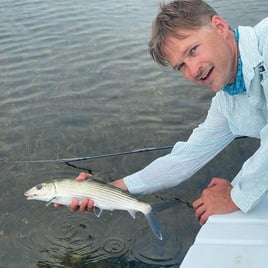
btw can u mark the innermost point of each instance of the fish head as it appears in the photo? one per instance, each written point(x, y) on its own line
point(42, 192)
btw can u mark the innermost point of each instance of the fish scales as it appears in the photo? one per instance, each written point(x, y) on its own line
point(101, 193)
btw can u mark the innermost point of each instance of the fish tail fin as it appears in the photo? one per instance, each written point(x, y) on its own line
point(151, 218)
point(153, 222)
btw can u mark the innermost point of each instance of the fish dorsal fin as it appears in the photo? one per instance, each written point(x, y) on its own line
point(132, 213)
point(97, 211)
point(50, 201)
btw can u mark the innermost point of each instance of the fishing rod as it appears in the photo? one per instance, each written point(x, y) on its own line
point(101, 156)
point(76, 159)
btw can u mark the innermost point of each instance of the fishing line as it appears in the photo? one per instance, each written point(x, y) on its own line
point(187, 203)
point(78, 167)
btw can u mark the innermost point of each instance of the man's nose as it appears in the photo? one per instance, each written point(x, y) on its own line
point(194, 69)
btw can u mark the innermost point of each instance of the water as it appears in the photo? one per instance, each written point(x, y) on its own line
point(76, 79)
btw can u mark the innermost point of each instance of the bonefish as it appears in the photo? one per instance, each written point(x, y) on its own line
point(104, 196)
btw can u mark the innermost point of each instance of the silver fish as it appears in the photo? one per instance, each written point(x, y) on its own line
point(104, 196)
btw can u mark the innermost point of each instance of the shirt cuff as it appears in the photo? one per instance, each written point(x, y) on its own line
point(244, 200)
point(134, 184)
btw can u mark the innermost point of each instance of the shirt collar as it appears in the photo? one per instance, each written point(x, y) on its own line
point(238, 86)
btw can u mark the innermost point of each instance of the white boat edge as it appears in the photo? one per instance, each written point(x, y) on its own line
point(232, 240)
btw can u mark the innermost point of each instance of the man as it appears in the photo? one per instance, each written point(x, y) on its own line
point(192, 38)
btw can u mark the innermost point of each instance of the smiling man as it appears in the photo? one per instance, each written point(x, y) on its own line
point(204, 55)
point(191, 37)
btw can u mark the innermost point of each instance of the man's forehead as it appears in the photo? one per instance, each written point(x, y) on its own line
point(177, 40)
point(183, 36)
point(183, 33)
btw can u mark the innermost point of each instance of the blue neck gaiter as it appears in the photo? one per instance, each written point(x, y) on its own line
point(239, 85)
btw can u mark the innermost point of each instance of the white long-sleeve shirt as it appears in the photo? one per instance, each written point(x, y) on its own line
point(244, 114)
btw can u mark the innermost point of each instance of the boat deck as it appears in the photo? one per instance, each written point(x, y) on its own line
point(232, 240)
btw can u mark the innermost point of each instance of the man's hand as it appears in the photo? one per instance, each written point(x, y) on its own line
point(215, 199)
point(86, 203)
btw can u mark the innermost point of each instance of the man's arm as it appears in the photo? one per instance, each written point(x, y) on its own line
point(186, 158)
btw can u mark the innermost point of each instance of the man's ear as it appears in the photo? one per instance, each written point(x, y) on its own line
point(220, 25)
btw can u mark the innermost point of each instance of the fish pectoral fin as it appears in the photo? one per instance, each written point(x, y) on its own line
point(97, 211)
point(132, 213)
point(50, 201)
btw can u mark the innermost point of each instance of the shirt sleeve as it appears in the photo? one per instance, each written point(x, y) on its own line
point(186, 158)
point(251, 183)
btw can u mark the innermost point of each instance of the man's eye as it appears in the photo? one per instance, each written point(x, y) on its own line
point(193, 50)
point(180, 67)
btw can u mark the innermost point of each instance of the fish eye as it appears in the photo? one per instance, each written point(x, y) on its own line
point(39, 186)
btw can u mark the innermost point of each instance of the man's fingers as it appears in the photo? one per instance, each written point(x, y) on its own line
point(199, 212)
point(74, 205)
point(203, 218)
point(90, 205)
point(216, 181)
point(197, 203)
point(84, 204)
point(83, 176)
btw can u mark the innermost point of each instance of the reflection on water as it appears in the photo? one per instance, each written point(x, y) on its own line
point(76, 79)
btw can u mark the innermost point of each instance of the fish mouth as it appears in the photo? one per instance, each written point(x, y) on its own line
point(28, 196)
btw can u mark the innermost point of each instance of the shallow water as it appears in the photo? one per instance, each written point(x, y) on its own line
point(76, 79)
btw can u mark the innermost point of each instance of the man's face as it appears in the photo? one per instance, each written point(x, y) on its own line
point(207, 56)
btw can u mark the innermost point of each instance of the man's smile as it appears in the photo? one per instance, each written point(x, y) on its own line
point(207, 74)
